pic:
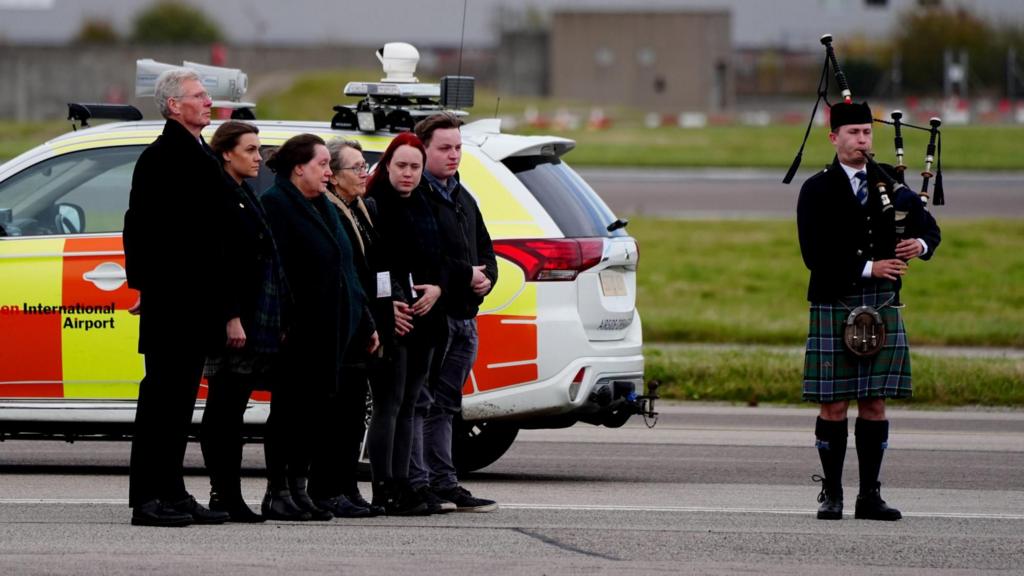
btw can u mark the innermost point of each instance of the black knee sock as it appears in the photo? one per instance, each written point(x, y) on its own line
point(831, 444)
point(872, 440)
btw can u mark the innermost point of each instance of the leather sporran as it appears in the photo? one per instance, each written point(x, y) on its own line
point(864, 332)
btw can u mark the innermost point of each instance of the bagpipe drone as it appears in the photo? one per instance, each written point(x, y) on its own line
point(888, 183)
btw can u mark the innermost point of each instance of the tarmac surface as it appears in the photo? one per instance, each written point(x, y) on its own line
point(753, 193)
point(711, 489)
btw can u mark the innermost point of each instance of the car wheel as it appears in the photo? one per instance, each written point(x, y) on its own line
point(476, 445)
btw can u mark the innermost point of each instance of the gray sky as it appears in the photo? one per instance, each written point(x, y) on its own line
point(790, 23)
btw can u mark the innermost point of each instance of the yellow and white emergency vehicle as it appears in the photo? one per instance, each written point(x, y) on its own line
point(560, 337)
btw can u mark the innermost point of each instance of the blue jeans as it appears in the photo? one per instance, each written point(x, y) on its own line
point(431, 463)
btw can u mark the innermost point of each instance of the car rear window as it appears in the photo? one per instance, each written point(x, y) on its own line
point(574, 206)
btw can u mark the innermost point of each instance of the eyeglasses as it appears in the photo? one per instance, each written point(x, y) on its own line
point(201, 96)
point(358, 168)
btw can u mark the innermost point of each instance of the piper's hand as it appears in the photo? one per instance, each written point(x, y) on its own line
point(431, 293)
point(136, 308)
point(480, 283)
point(236, 334)
point(909, 248)
point(890, 269)
point(403, 318)
point(373, 344)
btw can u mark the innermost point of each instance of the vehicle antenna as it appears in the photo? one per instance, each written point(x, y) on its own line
point(462, 38)
point(497, 106)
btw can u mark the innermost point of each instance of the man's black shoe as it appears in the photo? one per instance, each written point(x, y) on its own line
point(357, 499)
point(870, 506)
point(831, 500)
point(236, 508)
point(341, 507)
point(437, 504)
point(200, 514)
point(464, 501)
point(155, 513)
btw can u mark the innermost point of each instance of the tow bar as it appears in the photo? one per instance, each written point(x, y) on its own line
point(644, 404)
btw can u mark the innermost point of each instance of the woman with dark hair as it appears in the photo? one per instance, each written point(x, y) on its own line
point(411, 244)
point(327, 314)
point(254, 295)
point(333, 477)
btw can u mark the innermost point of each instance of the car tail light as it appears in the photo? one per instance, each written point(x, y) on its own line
point(557, 259)
point(574, 386)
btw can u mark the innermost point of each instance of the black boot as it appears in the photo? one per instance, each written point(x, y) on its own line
point(355, 497)
point(404, 501)
point(278, 505)
point(872, 440)
point(831, 435)
point(297, 487)
point(235, 506)
point(382, 494)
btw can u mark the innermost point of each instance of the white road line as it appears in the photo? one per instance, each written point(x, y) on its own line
point(578, 508)
point(718, 509)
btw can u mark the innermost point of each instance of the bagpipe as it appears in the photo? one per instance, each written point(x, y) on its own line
point(888, 183)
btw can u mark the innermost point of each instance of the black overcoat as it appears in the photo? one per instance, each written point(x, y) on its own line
point(369, 262)
point(173, 243)
point(838, 235)
point(327, 300)
point(249, 249)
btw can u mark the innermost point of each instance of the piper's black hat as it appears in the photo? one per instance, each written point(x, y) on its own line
point(842, 114)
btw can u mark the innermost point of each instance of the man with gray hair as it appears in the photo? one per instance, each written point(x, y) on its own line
point(172, 248)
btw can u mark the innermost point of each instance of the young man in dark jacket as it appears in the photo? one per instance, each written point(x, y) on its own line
point(174, 263)
point(472, 271)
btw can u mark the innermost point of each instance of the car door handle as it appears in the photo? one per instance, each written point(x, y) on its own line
point(108, 276)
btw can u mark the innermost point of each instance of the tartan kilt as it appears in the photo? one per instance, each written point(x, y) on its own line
point(832, 374)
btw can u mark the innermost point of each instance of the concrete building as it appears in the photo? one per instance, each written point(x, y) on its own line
point(656, 60)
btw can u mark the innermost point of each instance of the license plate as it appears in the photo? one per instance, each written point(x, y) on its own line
point(612, 283)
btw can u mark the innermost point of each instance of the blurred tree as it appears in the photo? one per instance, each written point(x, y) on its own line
point(925, 36)
point(175, 23)
point(97, 31)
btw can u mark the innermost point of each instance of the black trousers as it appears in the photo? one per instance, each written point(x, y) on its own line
point(396, 387)
point(335, 466)
point(299, 409)
point(221, 434)
point(167, 398)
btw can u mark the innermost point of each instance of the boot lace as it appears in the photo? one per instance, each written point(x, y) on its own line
point(823, 495)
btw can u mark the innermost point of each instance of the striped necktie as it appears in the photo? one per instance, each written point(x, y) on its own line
point(862, 190)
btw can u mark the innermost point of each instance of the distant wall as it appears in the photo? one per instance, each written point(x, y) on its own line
point(523, 60)
point(659, 61)
point(38, 82)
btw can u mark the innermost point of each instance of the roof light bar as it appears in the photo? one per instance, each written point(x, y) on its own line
point(83, 112)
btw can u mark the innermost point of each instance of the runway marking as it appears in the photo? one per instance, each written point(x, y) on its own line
point(723, 510)
point(580, 508)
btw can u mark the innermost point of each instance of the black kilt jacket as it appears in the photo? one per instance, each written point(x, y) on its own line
point(838, 235)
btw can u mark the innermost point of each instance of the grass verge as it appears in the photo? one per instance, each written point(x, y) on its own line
point(974, 147)
point(754, 375)
point(627, 142)
point(17, 137)
point(744, 281)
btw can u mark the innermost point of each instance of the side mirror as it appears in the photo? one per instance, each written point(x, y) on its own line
point(70, 219)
